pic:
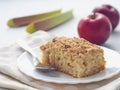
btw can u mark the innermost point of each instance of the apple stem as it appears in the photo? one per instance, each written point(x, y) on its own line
point(93, 16)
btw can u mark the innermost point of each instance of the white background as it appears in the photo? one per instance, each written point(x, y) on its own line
point(81, 8)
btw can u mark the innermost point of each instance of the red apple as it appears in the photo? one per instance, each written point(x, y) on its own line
point(111, 12)
point(95, 28)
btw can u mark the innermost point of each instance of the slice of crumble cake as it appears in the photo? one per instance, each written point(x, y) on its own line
point(73, 56)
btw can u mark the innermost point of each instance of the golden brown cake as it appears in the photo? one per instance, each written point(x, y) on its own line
point(73, 56)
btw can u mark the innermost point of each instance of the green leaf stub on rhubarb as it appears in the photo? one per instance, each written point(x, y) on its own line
point(11, 23)
point(31, 28)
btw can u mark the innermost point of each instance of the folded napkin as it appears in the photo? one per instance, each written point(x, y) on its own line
point(12, 78)
point(114, 85)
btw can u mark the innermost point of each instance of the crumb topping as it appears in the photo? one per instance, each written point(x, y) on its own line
point(72, 46)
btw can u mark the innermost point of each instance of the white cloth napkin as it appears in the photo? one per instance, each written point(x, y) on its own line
point(12, 78)
point(8, 82)
point(114, 85)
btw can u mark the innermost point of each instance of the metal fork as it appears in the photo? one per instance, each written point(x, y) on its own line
point(35, 59)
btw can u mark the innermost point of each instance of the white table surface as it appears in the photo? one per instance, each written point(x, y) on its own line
point(81, 8)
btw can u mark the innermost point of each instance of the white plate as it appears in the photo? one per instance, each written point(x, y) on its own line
point(112, 68)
